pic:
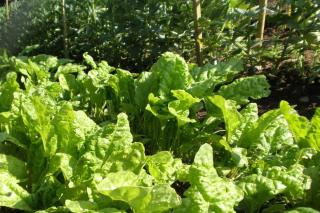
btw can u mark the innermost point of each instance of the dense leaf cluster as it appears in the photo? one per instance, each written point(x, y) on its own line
point(92, 138)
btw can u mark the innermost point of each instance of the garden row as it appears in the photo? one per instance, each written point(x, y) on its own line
point(178, 138)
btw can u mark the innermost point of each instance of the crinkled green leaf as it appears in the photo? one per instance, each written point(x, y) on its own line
point(159, 108)
point(101, 78)
point(121, 135)
point(209, 192)
point(64, 163)
point(116, 180)
point(299, 125)
point(209, 76)
point(258, 190)
point(126, 90)
point(110, 149)
point(180, 108)
point(89, 207)
point(278, 135)
point(146, 83)
point(187, 99)
point(129, 158)
point(7, 90)
point(124, 186)
point(296, 182)
point(89, 60)
point(229, 111)
point(241, 90)
point(251, 136)
point(14, 166)
point(303, 210)
point(70, 69)
point(163, 167)
point(173, 73)
point(32, 70)
point(272, 141)
point(248, 118)
point(47, 62)
point(59, 209)
point(313, 135)
point(71, 128)
point(12, 195)
point(35, 117)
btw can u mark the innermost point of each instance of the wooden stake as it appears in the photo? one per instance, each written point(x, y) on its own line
point(65, 30)
point(7, 10)
point(288, 9)
point(197, 30)
point(262, 20)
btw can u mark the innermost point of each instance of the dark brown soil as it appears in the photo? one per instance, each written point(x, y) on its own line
point(301, 92)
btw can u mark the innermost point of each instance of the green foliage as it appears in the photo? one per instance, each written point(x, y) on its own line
point(129, 35)
point(94, 138)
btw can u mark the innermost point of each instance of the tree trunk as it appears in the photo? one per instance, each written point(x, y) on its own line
point(262, 20)
point(65, 30)
point(197, 30)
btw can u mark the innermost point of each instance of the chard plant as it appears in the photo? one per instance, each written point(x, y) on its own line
point(92, 138)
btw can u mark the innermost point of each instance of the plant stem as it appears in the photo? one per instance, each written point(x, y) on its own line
point(262, 20)
point(65, 30)
point(197, 30)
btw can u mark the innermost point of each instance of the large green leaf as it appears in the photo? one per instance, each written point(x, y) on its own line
point(89, 60)
point(124, 186)
point(71, 129)
point(241, 90)
point(163, 167)
point(208, 192)
point(180, 108)
point(146, 83)
point(129, 158)
point(229, 112)
point(12, 195)
point(173, 73)
point(248, 118)
point(296, 182)
point(15, 167)
point(7, 90)
point(258, 190)
point(303, 210)
point(209, 76)
point(313, 136)
point(252, 135)
point(120, 136)
point(35, 113)
point(299, 125)
point(89, 207)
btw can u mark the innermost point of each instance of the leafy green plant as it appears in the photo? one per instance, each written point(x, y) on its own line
point(72, 139)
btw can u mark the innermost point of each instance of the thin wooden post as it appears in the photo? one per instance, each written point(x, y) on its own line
point(65, 30)
point(197, 30)
point(262, 20)
point(7, 10)
point(288, 9)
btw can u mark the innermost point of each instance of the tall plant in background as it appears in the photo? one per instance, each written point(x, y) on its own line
point(128, 35)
